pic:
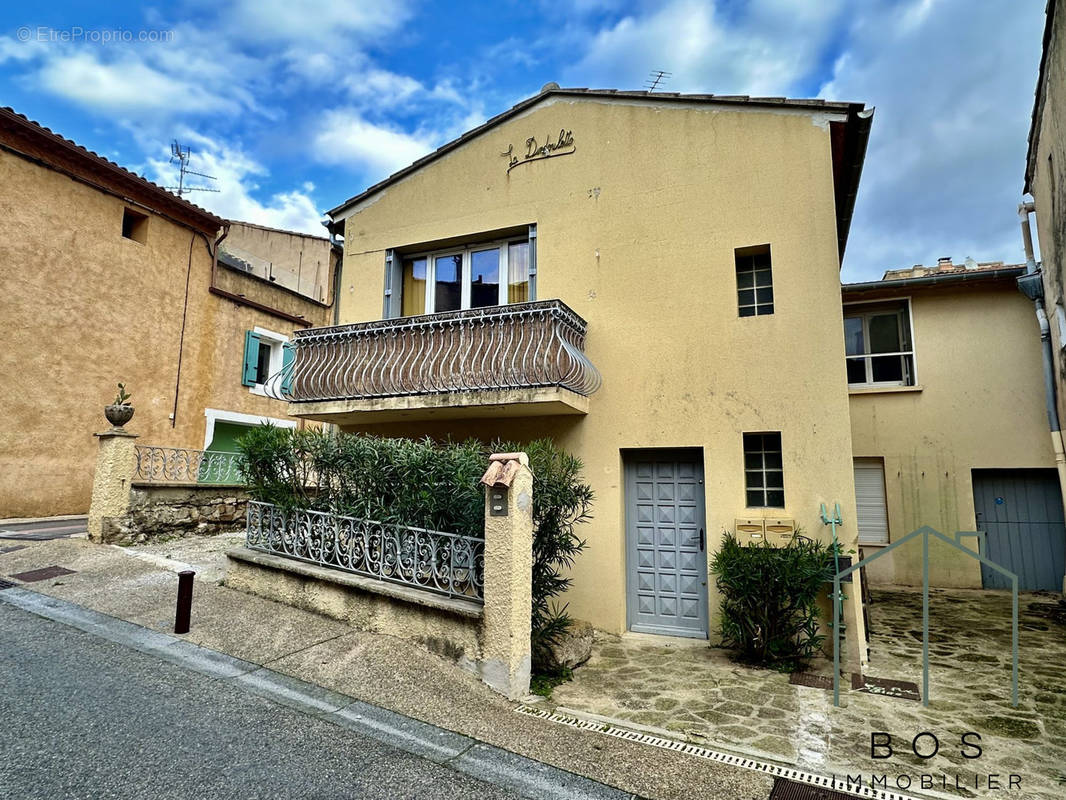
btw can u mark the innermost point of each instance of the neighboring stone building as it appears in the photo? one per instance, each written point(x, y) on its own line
point(701, 239)
point(949, 427)
point(108, 277)
point(1045, 180)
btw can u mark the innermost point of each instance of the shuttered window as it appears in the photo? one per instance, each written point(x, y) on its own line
point(871, 508)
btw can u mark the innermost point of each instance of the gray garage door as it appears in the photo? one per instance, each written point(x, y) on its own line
point(1020, 510)
point(666, 562)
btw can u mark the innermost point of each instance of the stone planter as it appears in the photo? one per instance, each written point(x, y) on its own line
point(118, 415)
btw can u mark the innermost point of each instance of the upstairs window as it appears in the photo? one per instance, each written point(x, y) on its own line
point(755, 281)
point(493, 273)
point(764, 476)
point(878, 345)
point(266, 354)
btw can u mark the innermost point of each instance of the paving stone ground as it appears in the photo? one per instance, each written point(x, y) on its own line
point(699, 694)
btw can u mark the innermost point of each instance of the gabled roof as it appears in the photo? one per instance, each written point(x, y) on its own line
point(33, 141)
point(1040, 95)
point(848, 139)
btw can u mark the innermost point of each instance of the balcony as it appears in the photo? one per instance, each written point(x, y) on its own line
point(517, 360)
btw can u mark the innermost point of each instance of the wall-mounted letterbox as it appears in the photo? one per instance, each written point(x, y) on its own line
point(780, 532)
point(749, 531)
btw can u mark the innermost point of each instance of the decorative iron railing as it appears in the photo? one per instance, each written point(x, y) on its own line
point(444, 563)
point(181, 465)
point(519, 346)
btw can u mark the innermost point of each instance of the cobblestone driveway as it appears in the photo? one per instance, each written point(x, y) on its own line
point(697, 693)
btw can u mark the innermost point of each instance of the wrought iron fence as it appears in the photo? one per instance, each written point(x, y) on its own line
point(182, 465)
point(444, 563)
point(525, 345)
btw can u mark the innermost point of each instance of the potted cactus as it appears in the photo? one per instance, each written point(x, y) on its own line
point(120, 412)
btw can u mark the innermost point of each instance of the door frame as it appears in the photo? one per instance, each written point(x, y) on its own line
point(629, 456)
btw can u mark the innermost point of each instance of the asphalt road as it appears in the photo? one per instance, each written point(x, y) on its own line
point(81, 717)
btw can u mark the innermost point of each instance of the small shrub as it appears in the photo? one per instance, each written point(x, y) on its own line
point(769, 599)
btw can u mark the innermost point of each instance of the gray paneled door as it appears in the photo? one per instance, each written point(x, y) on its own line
point(1020, 511)
point(666, 562)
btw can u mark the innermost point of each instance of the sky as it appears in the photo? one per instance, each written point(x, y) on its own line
point(296, 105)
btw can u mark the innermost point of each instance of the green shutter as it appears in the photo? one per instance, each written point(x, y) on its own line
point(288, 356)
point(251, 358)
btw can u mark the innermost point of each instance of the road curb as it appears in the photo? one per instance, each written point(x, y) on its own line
point(530, 778)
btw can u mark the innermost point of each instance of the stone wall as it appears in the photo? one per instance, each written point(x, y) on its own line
point(161, 511)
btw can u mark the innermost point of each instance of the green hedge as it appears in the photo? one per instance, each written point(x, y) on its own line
point(769, 599)
point(428, 484)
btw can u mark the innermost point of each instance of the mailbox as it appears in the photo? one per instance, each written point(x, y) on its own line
point(749, 531)
point(780, 532)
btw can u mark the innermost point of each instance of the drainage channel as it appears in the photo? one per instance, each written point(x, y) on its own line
point(786, 779)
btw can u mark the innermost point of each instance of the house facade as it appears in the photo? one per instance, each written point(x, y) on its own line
point(108, 277)
point(651, 280)
point(949, 427)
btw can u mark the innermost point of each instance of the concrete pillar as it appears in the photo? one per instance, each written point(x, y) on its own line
point(505, 661)
point(116, 462)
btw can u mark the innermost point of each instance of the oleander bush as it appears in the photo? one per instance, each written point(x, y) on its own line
point(769, 611)
point(428, 484)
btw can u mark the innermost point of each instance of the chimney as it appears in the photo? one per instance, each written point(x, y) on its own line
point(944, 263)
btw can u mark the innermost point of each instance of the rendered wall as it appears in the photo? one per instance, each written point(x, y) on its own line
point(85, 308)
point(980, 406)
point(636, 233)
point(1048, 184)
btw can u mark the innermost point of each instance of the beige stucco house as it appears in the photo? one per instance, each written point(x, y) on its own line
point(650, 279)
point(949, 427)
point(108, 277)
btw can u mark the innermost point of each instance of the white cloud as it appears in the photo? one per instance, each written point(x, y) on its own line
point(237, 175)
point(126, 85)
point(953, 86)
point(762, 47)
point(346, 138)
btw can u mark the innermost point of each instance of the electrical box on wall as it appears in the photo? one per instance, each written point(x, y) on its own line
point(780, 532)
point(749, 531)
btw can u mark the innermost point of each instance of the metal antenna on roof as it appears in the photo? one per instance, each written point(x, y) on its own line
point(656, 77)
point(182, 155)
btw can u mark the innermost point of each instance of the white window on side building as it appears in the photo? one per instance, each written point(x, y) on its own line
point(879, 344)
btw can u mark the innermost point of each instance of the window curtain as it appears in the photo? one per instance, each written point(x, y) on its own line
point(518, 273)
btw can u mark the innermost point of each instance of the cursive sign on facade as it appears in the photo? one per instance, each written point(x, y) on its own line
point(561, 145)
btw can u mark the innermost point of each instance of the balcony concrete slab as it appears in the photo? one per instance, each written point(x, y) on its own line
point(505, 403)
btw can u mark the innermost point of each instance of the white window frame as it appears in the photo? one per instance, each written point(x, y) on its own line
point(851, 312)
point(467, 252)
point(277, 343)
point(763, 471)
point(218, 415)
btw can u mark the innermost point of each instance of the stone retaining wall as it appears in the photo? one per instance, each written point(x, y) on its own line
point(158, 511)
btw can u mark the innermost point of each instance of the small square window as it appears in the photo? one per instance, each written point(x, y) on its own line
point(134, 225)
point(763, 473)
point(755, 283)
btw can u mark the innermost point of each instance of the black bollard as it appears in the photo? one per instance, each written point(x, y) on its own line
point(184, 609)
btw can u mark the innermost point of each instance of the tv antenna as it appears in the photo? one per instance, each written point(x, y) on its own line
point(183, 155)
point(656, 77)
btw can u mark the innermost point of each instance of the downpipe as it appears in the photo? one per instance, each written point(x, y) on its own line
point(1033, 289)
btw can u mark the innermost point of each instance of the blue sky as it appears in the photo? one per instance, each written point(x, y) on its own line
point(296, 105)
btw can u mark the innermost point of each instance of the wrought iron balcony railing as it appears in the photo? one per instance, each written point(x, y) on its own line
point(181, 465)
point(444, 563)
point(521, 346)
